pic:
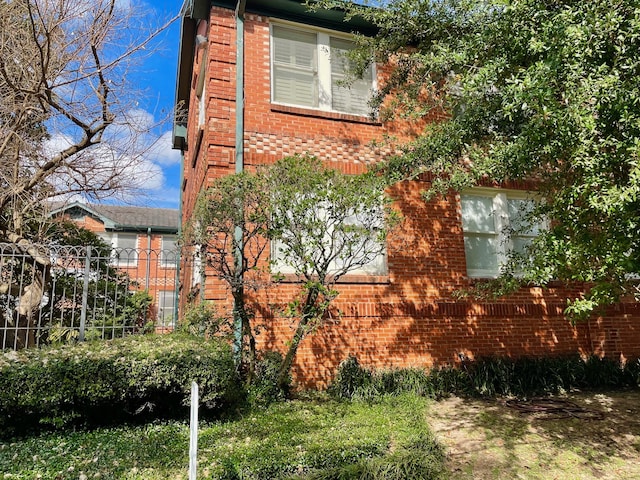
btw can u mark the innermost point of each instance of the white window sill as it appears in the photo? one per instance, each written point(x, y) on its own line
point(313, 112)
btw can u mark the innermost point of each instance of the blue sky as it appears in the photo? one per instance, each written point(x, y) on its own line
point(155, 78)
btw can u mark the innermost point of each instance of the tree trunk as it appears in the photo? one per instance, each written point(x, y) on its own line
point(21, 334)
point(242, 318)
point(307, 315)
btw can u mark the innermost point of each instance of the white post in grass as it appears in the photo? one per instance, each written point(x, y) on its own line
point(193, 438)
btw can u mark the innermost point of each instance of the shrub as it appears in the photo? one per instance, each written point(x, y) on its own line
point(204, 320)
point(491, 376)
point(111, 381)
point(264, 388)
point(350, 378)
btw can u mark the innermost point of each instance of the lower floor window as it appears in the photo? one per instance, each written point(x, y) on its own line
point(496, 224)
point(166, 308)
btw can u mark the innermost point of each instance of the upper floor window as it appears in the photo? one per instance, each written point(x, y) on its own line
point(495, 225)
point(169, 252)
point(125, 249)
point(309, 69)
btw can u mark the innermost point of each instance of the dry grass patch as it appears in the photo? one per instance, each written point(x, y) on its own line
point(490, 440)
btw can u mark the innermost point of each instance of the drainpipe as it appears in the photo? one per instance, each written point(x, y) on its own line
point(176, 280)
point(240, 9)
point(148, 272)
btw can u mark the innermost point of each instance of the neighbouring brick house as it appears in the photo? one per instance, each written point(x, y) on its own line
point(144, 242)
point(257, 82)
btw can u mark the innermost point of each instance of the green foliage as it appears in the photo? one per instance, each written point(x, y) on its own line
point(264, 387)
point(203, 320)
point(350, 378)
point(533, 90)
point(492, 376)
point(323, 440)
point(321, 224)
point(325, 224)
point(232, 218)
point(294, 440)
point(115, 308)
point(110, 381)
point(230, 225)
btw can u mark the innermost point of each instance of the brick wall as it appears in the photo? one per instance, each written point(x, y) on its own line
point(410, 316)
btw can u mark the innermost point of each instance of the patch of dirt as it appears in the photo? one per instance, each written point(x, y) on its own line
point(492, 440)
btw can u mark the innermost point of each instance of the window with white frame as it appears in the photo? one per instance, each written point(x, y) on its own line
point(169, 251)
point(166, 308)
point(309, 69)
point(495, 224)
point(125, 249)
point(337, 244)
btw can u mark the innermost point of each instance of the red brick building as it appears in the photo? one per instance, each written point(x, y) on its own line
point(144, 242)
point(257, 81)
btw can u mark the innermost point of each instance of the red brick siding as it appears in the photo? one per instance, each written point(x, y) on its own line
point(410, 316)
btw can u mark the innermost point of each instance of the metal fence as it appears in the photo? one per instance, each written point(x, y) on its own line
point(73, 293)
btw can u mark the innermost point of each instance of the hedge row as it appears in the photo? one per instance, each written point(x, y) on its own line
point(493, 376)
point(105, 382)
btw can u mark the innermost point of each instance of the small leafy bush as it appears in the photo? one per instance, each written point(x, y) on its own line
point(204, 320)
point(350, 378)
point(264, 388)
point(107, 382)
point(491, 376)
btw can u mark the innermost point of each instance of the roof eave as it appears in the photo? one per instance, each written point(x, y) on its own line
point(194, 10)
point(191, 12)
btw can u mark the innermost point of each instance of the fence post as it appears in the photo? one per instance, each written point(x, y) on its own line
point(193, 432)
point(85, 293)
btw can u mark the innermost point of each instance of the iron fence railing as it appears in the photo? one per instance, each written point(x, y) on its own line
point(73, 293)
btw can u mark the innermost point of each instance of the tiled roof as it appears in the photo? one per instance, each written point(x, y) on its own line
point(125, 217)
point(138, 216)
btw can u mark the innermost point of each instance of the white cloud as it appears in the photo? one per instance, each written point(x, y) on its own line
point(163, 153)
point(130, 157)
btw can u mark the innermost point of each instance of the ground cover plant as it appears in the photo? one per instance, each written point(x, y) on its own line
point(480, 439)
point(313, 438)
point(488, 377)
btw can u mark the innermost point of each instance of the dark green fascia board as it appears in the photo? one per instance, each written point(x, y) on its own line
point(108, 223)
point(297, 11)
point(292, 10)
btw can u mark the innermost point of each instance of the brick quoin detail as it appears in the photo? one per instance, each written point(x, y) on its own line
point(409, 317)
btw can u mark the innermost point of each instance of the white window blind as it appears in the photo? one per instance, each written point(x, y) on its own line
point(336, 243)
point(354, 96)
point(126, 249)
point(168, 254)
point(295, 67)
point(480, 235)
point(309, 69)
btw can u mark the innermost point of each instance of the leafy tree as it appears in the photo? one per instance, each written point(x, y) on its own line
point(321, 224)
point(230, 224)
point(325, 224)
point(529, 90)
point(63, 99)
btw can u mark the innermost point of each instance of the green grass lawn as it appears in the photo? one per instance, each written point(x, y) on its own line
point(310, 439)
